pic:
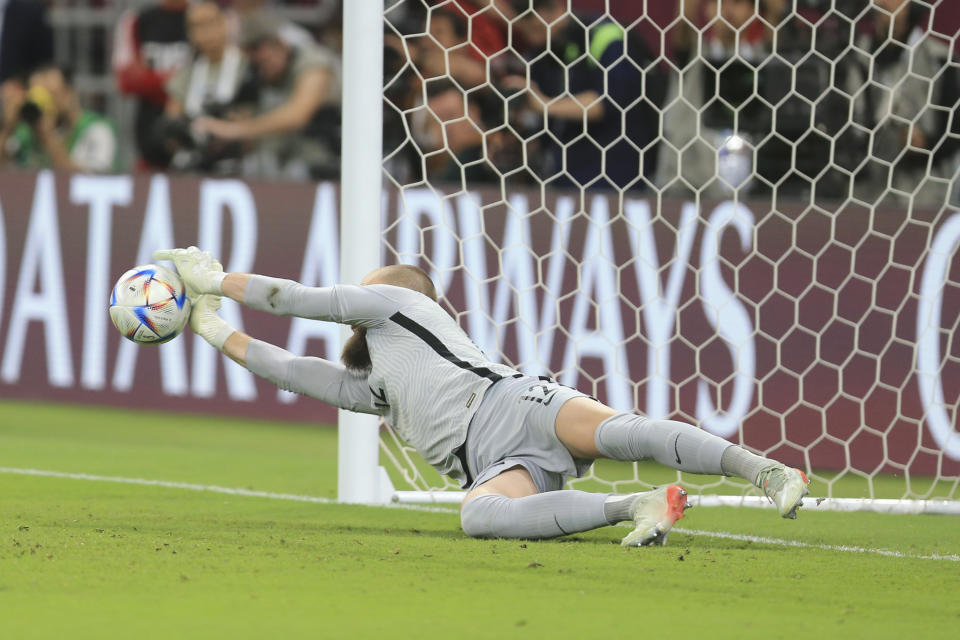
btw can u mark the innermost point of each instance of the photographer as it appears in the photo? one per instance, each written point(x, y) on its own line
point(207, 86)
point(45, 126)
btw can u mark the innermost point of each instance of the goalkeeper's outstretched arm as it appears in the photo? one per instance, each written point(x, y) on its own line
point(327, 381)
point(347, 304)
point(315, 377)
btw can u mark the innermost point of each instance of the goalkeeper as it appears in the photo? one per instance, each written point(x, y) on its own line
point(511, 439)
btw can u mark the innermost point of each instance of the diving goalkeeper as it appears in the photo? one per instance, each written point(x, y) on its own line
point(510, 439)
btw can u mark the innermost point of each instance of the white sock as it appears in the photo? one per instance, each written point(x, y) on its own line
point(543, 515)
point(737, 461)
point(617, 507)
point(630, 437)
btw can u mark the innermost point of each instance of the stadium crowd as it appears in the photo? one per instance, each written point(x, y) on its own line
point(842, 98)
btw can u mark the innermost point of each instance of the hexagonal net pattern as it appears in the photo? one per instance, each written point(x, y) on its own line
point(736, 214)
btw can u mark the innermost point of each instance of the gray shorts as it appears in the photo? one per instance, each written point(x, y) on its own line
point(515, 425)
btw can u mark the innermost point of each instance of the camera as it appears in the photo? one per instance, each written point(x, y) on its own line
point(190, 151)
point(37, 102)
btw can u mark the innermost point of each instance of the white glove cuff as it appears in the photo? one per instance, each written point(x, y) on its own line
point(216, 282)
point(219, 338)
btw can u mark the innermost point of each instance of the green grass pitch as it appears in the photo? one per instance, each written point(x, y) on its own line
point(93, 559)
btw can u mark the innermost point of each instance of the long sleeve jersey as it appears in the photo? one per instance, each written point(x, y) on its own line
point(427, 377)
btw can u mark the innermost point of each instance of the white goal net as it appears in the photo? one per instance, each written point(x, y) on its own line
point(736, 213)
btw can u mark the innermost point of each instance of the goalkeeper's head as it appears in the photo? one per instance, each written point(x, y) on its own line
point(356, 355)
point(403, 275)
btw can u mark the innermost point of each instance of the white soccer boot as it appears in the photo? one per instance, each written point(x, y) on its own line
point(785, 486)
point(655, 512)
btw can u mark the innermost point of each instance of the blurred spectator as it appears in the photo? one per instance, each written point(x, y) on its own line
point(296, 126)
point(441, 114)
point(290, 32)
point(591, 84)
point(589, 118)
point(447, 52)
point(461, 38)
point(206, 86)
point(696, 126)
point(906, 92)
point(211, 80)
point(45, 126)
point(450, 134)
point(149, 46)
point(26, 39)
point(489, 23)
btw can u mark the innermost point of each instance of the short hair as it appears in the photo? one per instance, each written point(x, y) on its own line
point(260, 26)
point(407, 276)
point(196, 4)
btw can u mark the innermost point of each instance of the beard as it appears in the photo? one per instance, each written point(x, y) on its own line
point(355, 355)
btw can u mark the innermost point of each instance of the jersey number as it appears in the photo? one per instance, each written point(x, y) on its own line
point(380, 399)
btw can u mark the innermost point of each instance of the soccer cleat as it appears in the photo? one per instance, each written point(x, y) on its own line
point(785, 486)
point(655, 512)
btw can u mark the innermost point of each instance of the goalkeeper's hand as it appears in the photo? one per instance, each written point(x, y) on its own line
point(201, 272)
point(207, 324)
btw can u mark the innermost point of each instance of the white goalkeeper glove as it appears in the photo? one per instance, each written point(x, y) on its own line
point(207, 324)
point(201, 272)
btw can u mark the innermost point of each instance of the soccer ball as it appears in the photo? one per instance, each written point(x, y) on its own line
point(149, 305)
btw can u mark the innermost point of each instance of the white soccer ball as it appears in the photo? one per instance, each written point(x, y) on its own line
point(149, 304)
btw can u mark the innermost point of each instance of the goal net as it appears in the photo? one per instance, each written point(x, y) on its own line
point(736, 213)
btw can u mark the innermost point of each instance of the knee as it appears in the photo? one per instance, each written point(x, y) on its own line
point(477, 515)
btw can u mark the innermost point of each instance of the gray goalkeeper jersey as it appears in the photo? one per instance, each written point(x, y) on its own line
point(427, 378)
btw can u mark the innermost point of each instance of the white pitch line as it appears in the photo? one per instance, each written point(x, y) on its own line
point(250, 493)
point(808, 545)
point(209, 488)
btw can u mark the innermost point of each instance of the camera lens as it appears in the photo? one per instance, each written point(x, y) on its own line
point(30, 112)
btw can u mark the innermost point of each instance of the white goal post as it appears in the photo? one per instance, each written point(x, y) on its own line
point(766, 243)
point(360, 478)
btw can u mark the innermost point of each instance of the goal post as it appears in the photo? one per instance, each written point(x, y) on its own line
point(746, 221)
point(360, 478)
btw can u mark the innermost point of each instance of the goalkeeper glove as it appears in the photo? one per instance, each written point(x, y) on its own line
point(207, 324)
point(201, 272)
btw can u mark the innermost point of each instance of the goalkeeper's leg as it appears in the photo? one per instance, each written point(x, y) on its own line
point(590, 429)
point(509, 506)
